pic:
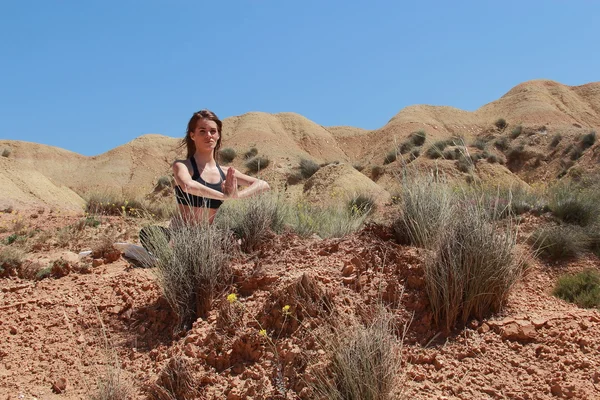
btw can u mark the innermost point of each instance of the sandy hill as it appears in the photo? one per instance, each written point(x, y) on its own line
point(134, 168)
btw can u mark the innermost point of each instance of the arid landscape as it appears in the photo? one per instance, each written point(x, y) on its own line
point(80, 319)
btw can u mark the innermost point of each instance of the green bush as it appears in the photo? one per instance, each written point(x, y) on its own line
point(501, 143)
point(257, 164)
point(501, 124)
point(324, 221)
point(582, 288)
point(436, 149)
point(559, 242)
point(576, 154)
point(479, 144)
point(406, 147)
point(164, 182)
point(472, 267)
point(227, 155)
point(308, 168)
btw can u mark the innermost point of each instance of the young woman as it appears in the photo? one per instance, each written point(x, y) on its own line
point(202, 184)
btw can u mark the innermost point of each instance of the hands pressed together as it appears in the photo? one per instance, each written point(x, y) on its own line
point(230, 186)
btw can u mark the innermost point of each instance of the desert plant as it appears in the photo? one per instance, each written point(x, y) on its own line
point(257, 164)
point(253, 219)
point(418, 138)
point(576, 154)
point(362, 204)
point(425, 203)
point(574, 205)
point(588, 140)
point(6, 152)
point(582, 288)
point(308, 168)
point(390, 157)
point(559, 242)
point(227, 155)
point(325, 221)
point(516, 131)
point(191, 267)
point(501, 124)
point(10, 261)
point(112, 386)
point(376, 172)
point(164, 182)
point(501, 143)
point(464, 164)
point(492, 158)
point(43, 273)
point(176, 381)
point(364, 363)
point(415, 154)
point(406, 147)
point(112, 204)
point(479, 143)
point(472, 267)
point(436, 149)
point(358, 167)
point(555, 140)
point(251, 153)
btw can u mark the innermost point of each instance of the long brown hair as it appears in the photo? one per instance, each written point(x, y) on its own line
point(187, 140)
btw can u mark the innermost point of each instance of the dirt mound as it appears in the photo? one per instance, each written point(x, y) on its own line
point(335, 183)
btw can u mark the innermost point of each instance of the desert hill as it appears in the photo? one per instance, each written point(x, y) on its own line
point(543, 108)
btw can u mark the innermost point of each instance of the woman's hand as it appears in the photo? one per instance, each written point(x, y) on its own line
point(230, 186)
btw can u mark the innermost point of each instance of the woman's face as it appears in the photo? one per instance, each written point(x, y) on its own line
point(206, 134)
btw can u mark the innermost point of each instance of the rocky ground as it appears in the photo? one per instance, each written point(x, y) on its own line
point(96, 317)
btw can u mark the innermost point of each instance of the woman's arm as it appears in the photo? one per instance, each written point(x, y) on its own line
point(253, 186)
point(188, 185)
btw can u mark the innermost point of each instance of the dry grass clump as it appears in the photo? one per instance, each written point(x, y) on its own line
point(582, 288)
point(501, 124)
point(6, 152)
point(324, 221)
point(588, 140)
point(559, 242)
point(191, 267)
point(425, 203)
point(257, 164)
point(362, 204)
point(308, 168)
point(574, 205)
point(472, 266)
point(555, 140)
point(176, 382)
point(251, 153)
point(253, 219)
point(390, 157)
point(10, 261)
point(516, 132)
point(113, 387)
point(227, 155)
point(364, 363)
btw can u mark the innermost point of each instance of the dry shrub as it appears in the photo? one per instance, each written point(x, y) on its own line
point(257, 164)
point(473, 266)
point(191, 267)
point(112, 386)
point(176, 381)
point(227, 155)
point(425, 203)
point(559, 242)
point(574, 205)
point(308, 168)
point(325, 221)
point(10, 261)
point(252, 219)
point(582, 288)
point(364, 365)
point(362, 204)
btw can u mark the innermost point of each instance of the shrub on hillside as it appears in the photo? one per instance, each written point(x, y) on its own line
point(555, 140)
point(588, 140)
point(425, 204)
point(10, 261)
point(364, 362)
point(574, 205)
point(390, 157)
point(501, 143)
point(406, 147)
point(418, 138)
point(516, 131)
point(472, 267)
point(6, 152)
point(308, 168)
point(501, 124)
point(257, 164)
point(436, 149)
point(559, 242)
point(479, 143)
point(582, 288)
point(227, 155)
point(251, 153)
point(464, 164)
point(324, 221)
point(362, 204)
point(164, 182)
point(376, 172)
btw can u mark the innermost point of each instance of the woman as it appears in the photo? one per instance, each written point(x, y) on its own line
point(202, 184)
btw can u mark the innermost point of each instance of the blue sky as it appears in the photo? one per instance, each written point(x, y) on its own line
point(88, 76)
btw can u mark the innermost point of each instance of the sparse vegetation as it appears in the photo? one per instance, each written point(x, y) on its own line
point(555, 140)
point(164, 182)
point(559, 242)
point(516, 131)
point(582, 288)
point(361, 204)
point(364, 363)
point(308, 168)
point(501, 144)
point(406, 147)
point(257, 164)
point(501, 124)
point(10, 261)
point(574, 205)
point(390, 157)
point(588, 140)
point(6, 152)
point(472, 267)
point(358, 167)
point(376, 172)
point(436, 149)
point(227, 155)
point(251, 153)
point(418, 138)
point(479, 143)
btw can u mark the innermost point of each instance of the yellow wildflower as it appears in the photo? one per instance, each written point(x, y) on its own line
point(262, 332)
point(232, 298)
point(286, 309)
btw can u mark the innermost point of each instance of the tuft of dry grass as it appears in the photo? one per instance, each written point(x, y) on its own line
point(176, 381)
point(10, 261)
point(308, 168)
point(364, 365)
point(257, 164)
point(472, 267)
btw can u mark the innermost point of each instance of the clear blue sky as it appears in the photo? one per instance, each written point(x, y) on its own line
point(90, 75)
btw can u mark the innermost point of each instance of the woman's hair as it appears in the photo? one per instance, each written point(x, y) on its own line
point(187, 140)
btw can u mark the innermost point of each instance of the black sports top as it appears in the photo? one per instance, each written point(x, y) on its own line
point(188, 199)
